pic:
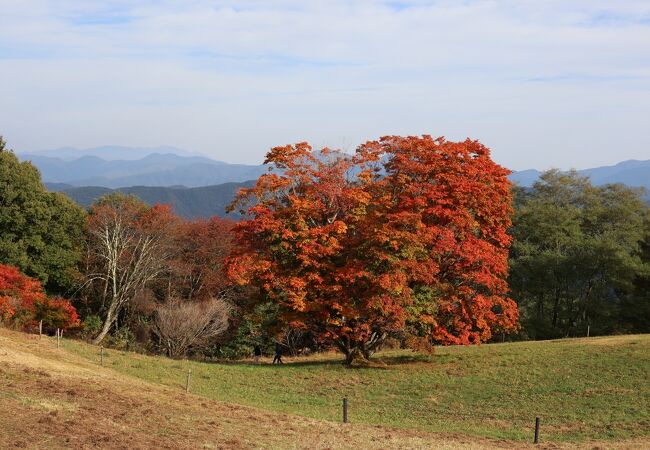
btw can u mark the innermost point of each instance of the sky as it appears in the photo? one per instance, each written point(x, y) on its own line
point(542, 83)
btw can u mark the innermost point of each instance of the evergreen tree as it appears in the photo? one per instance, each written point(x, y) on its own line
point(40, 232)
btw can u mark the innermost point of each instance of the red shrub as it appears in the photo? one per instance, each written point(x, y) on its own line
point(23, 303)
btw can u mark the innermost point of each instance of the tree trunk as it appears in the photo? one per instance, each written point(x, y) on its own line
point(570, 320)
point(349, 349)
point(108, 323)
point(355, 350)
point(369, 347)
point(353, 355)
point(556, 307)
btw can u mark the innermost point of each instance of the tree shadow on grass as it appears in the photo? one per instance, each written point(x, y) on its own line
point(286, 364)
point(397, 360)
point(377, 362)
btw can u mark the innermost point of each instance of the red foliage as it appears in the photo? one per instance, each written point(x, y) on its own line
point(445, 220)
point(201, 248)
point(56, 313)
point(18, 292)
point(23, 302)
point(416, 242)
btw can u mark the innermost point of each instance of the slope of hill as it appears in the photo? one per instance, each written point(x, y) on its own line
point(190, 203)
point(525, 178)
point(190, 175)
point(85, 175)
point(588, 392)
point(631, 173)
point(52, 398)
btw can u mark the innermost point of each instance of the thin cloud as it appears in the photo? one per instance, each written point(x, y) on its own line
point(543, 83)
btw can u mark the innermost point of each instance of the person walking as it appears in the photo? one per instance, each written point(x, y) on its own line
point(278, 353)
point(257, 353)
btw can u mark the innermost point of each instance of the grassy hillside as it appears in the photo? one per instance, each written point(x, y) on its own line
point(586, 391)
point(53, 398)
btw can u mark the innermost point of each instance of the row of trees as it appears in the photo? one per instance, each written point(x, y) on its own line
point(580, 258)
point(127, 266)
point(150, 270)
point(409, 238)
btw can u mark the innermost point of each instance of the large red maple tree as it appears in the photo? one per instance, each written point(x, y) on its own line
point(407, 237)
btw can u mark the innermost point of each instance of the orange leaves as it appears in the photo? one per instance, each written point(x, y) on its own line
point(454, 201)
point(158, 217)
point(23, 302)
point(339, 227)
point(56, 312)
point(290, 156)
point(242, 268)
point(345, 255)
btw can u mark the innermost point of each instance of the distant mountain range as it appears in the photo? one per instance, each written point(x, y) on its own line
point(198, 186)
point(631, 173)
point(153, 169)
point(110, 152)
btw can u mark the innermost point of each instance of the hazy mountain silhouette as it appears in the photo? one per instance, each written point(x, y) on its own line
point(631, 173)
point(109, 152)
point(154, 169)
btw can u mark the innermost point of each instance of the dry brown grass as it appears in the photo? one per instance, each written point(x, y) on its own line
point(50, 398)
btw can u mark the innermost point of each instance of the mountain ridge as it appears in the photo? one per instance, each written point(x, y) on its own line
point(198, 186)
point(189, 203)
point(110, 152)
point(154, 169)
point(120, 167)
point(632, 172)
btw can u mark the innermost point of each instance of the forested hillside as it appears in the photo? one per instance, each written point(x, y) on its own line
point(189, 203)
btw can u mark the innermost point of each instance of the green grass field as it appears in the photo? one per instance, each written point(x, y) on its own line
point(582, 389)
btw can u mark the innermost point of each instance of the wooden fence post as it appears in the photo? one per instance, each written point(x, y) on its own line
point(588, 326)
point(187, 385)
point(40, 329)
point(101, 355)
point(536, 441)
point(58, 338)
point(345, 410)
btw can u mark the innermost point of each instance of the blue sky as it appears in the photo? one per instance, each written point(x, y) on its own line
point(542, 83)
